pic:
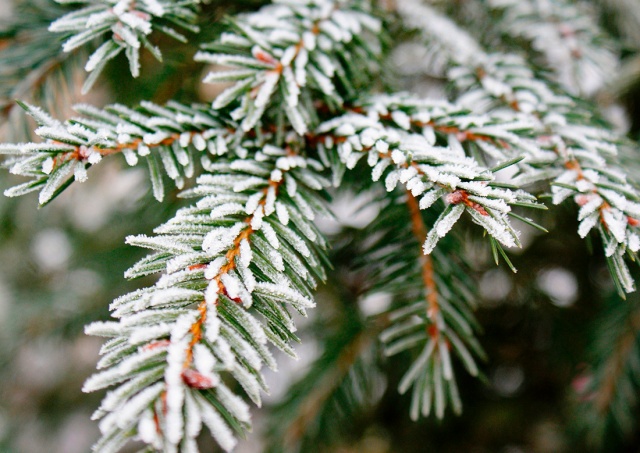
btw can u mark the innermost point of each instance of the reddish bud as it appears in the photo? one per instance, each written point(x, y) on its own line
point(263, 56)
point(237, 300)
point(633, 222)
point(582, 199)
point(456, 197)
point(480, 209)
point(83, 152)
point(156, 345)
point(196, 380)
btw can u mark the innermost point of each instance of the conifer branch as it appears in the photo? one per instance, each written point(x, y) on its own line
point(232, 262)
point(232, 257)
point(578, 157)
point(427, 169)
point(432, 316)
point(291, 53)
point(173, 133)
point(129, 23)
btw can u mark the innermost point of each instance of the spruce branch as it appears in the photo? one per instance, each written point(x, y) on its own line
point(171, 129)
point(583, 167)
point(578, 156)
point(129, 24)
point(292, 53)
point(428, 170)
point(422, 145)
point(301, 110)
point(232, 264)
point(435, 355)
point(431, 318)
point(172, 135)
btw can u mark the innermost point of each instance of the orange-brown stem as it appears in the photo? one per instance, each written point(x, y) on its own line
point(231, 255)
point(461, 134)
point(462, 195)
point(278, 66)
point(428, 276)
point(80, 152)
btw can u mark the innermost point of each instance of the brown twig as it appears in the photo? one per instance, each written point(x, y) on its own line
point(231, 255)
point(322, 391)
point(426, 262)
point(616, 364)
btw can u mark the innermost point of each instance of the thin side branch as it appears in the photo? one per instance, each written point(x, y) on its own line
point(616, 364)
point(322, 391)
point(230, 256)
point(420, 232)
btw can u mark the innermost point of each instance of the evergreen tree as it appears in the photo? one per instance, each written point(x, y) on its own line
point(366, 164)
